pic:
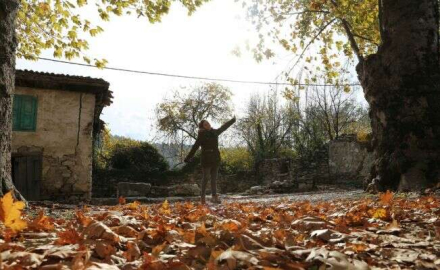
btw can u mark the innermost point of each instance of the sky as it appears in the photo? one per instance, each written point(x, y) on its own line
point(197, 45)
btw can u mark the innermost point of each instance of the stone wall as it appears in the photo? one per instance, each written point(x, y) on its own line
point(349, 159)
point(64, 138)
point(312, 170)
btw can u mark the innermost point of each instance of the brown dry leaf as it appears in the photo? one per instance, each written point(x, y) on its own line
point(158, 249)
point(230, 225)
point(68, 236)
point(10, 213)
point(330, 236)
point(82, 219)
point(21, 258)
point(126, 231)
point(103, 249)
point(309, 223)
point(42, 223)
point(133, 252)
point(235, 259)
point(98, 230)
point(189, 237)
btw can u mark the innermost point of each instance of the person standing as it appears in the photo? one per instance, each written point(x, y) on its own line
point(207, 139)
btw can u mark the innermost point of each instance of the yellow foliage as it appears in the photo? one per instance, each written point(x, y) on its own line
point(236, 159)
point(380, 213)
point(363, 136)
point(10, 212)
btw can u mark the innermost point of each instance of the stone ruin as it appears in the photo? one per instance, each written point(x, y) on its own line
point(343, 161)
point(349, 159)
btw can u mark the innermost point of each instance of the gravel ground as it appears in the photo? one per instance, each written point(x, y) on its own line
point(322, 194)
point(314, 196)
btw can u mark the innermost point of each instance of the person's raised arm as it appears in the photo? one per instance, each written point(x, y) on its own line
point(194, 149)
point(226, 125)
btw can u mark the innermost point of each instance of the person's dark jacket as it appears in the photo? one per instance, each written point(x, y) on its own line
point(208, 140)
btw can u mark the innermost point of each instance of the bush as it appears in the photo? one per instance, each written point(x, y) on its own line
point(135, 155)
point(235, 159)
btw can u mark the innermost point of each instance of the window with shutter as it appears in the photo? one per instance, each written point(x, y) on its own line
point(24, 115)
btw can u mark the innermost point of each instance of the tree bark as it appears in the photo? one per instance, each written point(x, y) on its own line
point(8, 44)
point(401, 83)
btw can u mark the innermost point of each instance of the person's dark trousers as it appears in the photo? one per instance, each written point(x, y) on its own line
point(209, 173)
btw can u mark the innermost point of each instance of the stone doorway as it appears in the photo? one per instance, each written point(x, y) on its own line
point(26, 174)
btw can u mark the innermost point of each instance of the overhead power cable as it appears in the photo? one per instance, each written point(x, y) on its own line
point(194, 77)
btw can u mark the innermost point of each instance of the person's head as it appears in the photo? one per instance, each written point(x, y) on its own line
point(204, 124)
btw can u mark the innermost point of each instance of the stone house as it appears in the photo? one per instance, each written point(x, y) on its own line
point(55, 120)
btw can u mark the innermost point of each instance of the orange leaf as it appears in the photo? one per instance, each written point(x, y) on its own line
point(387, 197)
point(85, 221)
point(67, 237)
point(10, 213)
point(42, 223)
point(157, 249)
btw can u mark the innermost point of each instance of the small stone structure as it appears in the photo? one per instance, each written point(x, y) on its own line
point(349, 159)
point(55, 119)
point(285, 174)
point(127, 189)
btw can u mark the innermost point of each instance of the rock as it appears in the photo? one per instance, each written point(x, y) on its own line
point(184, 190)
point(127, 189)
point(256, 190)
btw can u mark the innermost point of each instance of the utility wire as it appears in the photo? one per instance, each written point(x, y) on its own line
point(192, 77)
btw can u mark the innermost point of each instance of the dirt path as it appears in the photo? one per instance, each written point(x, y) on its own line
point(305, 196)
point(320, 195)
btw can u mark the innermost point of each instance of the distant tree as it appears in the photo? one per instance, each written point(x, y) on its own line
point(336, 110)
point(266, 126)
point(178, 117)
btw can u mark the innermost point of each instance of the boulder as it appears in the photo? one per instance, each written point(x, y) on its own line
point(127, 189)
point(256, 190)
point(184, 190)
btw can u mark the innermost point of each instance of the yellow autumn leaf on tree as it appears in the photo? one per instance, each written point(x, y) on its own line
point(10, 212)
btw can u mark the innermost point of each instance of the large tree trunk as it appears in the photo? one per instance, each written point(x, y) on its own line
point(401, 83)
point(8, 44)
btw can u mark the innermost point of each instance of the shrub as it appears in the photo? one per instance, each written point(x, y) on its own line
point(235, 159)
point(129, 154)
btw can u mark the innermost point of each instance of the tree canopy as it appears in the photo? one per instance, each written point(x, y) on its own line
point(187, 107)
point(64, 25)
point(317, 32)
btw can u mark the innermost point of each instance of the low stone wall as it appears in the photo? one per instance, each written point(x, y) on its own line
point(105, 182)
point(349, 159)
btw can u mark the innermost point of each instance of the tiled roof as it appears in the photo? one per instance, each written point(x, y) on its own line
point(45, 80)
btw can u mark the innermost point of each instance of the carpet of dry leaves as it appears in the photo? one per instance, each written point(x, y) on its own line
point(386, 232)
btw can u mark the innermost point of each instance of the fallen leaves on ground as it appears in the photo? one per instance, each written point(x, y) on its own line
point(389, 232)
